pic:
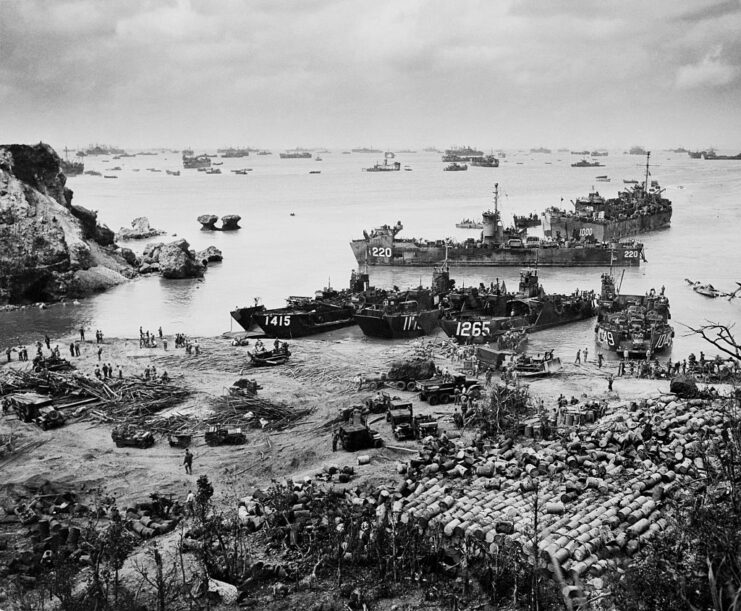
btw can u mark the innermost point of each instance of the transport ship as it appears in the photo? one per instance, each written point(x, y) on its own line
point(476, 314)
point(637, 209)
point(406, 314)
point(497, 247)
point(633, 326)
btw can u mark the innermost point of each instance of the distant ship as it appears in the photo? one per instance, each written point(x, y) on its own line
point(635, 210)
point(461, 153)
point(71, 168)
point(101, 149)
point(296, 154)
point(231, 153)
point(633, 326)
point(469, 224)
point(191, 162)
point(487, 161)
point(456, 167)
point(637, 150)
point(524, 222)
point(366, 150)
point(385, 166)
point(540, 150)
point(587, 164)
point(711, 155)
point(496, 248)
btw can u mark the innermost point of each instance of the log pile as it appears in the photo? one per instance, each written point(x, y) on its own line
point(600, 491)
point(236, 410)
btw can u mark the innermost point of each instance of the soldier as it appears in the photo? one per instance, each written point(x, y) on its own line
point(188, 462)
point(72, 349)
point(82, 333)
point(488, 376)
point(609, 383)
point(577, 360)
point(600, 358)
point(335, 440)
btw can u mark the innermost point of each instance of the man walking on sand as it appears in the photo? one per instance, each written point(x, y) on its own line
point(609, 383)
point(82, 334)
point(188, 462)
point(577, 360)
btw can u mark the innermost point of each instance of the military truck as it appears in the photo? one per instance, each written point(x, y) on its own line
point(128, 435)
point(216, 436)
point(36, 408)
point(424, 426)
point(358, 437)
point(436, 391)
point(401, 419)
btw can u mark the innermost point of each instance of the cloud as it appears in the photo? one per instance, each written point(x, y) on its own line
point(710, 72)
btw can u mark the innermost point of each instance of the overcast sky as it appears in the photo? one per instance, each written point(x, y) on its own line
point(397, 73)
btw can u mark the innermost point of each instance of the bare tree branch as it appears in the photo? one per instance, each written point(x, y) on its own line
point(718, 335)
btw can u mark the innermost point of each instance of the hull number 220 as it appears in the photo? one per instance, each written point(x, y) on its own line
point(379, 251)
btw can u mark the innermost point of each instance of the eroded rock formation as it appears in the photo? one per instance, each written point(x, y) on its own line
point(49, 248)
point(208, 222)
point(140, 230)
point(230, 222)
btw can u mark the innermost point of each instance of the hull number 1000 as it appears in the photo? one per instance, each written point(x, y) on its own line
point(379, 251)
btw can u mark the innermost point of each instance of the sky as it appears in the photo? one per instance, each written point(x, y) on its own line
point(388, 73)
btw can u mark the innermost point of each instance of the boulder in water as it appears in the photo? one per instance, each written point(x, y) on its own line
point(209, 255)
point(230, 222)
point(140, 229)
point(208, 221)
point(175, 261)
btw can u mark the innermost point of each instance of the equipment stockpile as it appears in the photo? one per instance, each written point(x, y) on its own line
point(598, 492)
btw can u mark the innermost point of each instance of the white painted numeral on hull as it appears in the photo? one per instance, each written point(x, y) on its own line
point(379, 251)
point(473, 329)
point(279, 320)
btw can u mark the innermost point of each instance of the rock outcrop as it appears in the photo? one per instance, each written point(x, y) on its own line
point(230, 222)
point(208, 222)
point(209, 255)
point(173, 260)
point(49, 248)
point(140, 230)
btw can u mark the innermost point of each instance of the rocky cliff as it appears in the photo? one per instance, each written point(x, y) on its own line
point(49, 248)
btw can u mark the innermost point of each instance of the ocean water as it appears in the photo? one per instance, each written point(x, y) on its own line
point(275, 255)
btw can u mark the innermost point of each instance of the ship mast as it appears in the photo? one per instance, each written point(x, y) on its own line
point(645, 184)
point(496, 198)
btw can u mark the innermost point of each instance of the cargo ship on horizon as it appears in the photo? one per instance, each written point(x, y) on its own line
point(497, 247)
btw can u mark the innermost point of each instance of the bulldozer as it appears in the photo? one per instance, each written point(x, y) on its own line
point(358, 437)
point(128, 435)
point(216, 436)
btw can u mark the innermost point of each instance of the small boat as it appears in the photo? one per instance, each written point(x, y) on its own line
point(293, 214)
point(242, 172)
point(602, 179)
point(218, 163)
point(455, 167)
point(630, 182)
point(708, 290)
point(315, 172)
point(269, 358)
point(213, 171)
point(110, 176)
point(173, 172)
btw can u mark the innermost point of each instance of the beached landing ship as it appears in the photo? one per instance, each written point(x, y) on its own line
point(638, 209)
point(497, 247)
point(483, 313)
point(406, 314)
point(327, 311)
point(633, 326)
